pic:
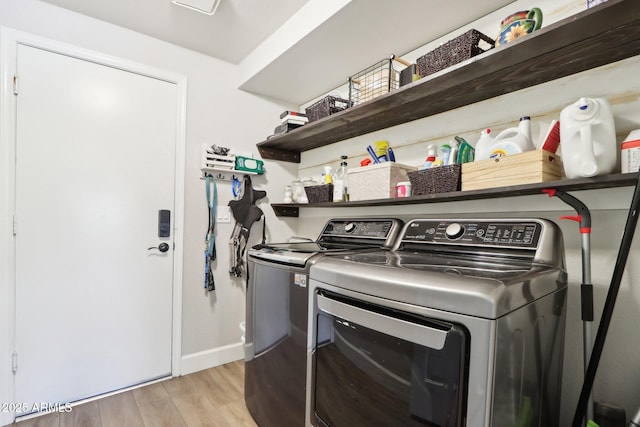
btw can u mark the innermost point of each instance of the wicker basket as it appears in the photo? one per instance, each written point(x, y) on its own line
point(319, 193)
point(441, 179)
point(325, 107)
point(452, 52)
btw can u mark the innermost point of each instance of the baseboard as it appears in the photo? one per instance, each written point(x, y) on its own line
point(210, 358)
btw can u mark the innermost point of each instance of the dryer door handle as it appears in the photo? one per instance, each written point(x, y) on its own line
point(408, 331)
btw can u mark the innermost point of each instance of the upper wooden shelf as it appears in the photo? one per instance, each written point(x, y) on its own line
point(578, 184)
point(598, 36)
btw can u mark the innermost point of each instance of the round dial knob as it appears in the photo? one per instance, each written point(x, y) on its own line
point(454, 230)
point(350, 227)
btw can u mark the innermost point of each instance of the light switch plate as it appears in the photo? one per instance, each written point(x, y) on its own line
point(223, 215)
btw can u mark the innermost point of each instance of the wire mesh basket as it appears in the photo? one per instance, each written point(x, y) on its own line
point(376, 80)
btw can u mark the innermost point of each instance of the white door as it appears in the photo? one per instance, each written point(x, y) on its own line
point(95, 163)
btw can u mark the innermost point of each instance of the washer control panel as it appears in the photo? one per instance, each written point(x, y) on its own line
point(501, 233)
point(377, 228)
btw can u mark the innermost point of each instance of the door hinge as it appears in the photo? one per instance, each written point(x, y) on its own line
point(14, 362)
point(15, 225)
point(15, 85)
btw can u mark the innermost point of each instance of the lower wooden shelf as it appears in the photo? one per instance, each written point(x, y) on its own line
point(607, 181)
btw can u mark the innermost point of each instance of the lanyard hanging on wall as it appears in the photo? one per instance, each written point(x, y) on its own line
point(210, 237)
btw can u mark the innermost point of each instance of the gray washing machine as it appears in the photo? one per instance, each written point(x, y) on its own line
point(276, 310)
point(462, 324)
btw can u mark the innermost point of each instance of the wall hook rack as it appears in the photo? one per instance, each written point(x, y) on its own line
point(226, 175)
point(221, 168)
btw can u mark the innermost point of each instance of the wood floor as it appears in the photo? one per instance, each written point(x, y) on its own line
point(213, 397)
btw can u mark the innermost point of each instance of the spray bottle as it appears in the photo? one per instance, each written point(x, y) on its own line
point(339, 181)
point(431, 157)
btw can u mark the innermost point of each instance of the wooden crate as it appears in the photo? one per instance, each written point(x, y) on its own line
point(526, 168)
point(376, 181)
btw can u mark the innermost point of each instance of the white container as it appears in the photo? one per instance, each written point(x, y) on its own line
point(512, 141)
point(403, 189)
point(630, 153)
point(483, 146)
point(588, 138)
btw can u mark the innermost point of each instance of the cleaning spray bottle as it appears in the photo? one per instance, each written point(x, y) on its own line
point(431, 157)
point(339, 181)
point(513, 140)
point(483, 146)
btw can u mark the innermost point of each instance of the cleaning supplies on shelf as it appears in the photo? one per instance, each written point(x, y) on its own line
point(466, 152)
point(630, 152)
point(431, 157)
point(453, 155)
point(326, 175)
point(514, 140)
point(380, 148)
point(390, 155)
point(446, 152)
point(588, 138)
point(551, 140)
point(373, 154)
point(483, 146)
point(403, 189)
point(339, 182)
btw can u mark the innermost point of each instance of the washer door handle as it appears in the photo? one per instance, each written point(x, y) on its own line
point(413, 332)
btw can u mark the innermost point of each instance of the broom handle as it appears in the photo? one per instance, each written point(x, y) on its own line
point(607, 311)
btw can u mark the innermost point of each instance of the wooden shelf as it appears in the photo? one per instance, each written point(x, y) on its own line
point(607, 181)
point(598, 36)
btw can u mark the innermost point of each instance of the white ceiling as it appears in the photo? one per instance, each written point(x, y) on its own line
point(294, 50)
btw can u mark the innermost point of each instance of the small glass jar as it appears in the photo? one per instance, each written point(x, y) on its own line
point(288, 195)
point(297, 190)
point(308, 182)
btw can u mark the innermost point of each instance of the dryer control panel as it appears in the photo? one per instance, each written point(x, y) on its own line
point(490, 233)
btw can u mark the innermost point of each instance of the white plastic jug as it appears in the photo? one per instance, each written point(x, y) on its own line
point(588, 138)
point(483, 146)
point(513, 140)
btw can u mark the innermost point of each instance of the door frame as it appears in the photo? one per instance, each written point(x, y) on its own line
point(10, 39)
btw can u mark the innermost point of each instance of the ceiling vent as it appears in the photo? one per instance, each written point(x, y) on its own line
point(207, 7)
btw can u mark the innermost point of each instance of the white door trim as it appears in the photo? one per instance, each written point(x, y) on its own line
point(9, 41)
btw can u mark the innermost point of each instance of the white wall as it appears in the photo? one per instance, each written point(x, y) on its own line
point(618, 379)
point(216, 113)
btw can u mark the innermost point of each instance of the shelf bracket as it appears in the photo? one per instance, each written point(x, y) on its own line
point(279, 154)
point(288, 211)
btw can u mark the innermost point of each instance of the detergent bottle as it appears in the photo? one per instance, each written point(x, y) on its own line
point(588, 138)
point(483, 146)
point(513, 140)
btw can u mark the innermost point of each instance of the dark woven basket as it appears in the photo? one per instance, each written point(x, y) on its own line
point(441, 179)
point(325, 107)
point(319, 193)
point(461, 48)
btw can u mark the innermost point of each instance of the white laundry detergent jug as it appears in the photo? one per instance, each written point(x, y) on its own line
point(588, 138)
point(483, 146)
point(513, 140)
